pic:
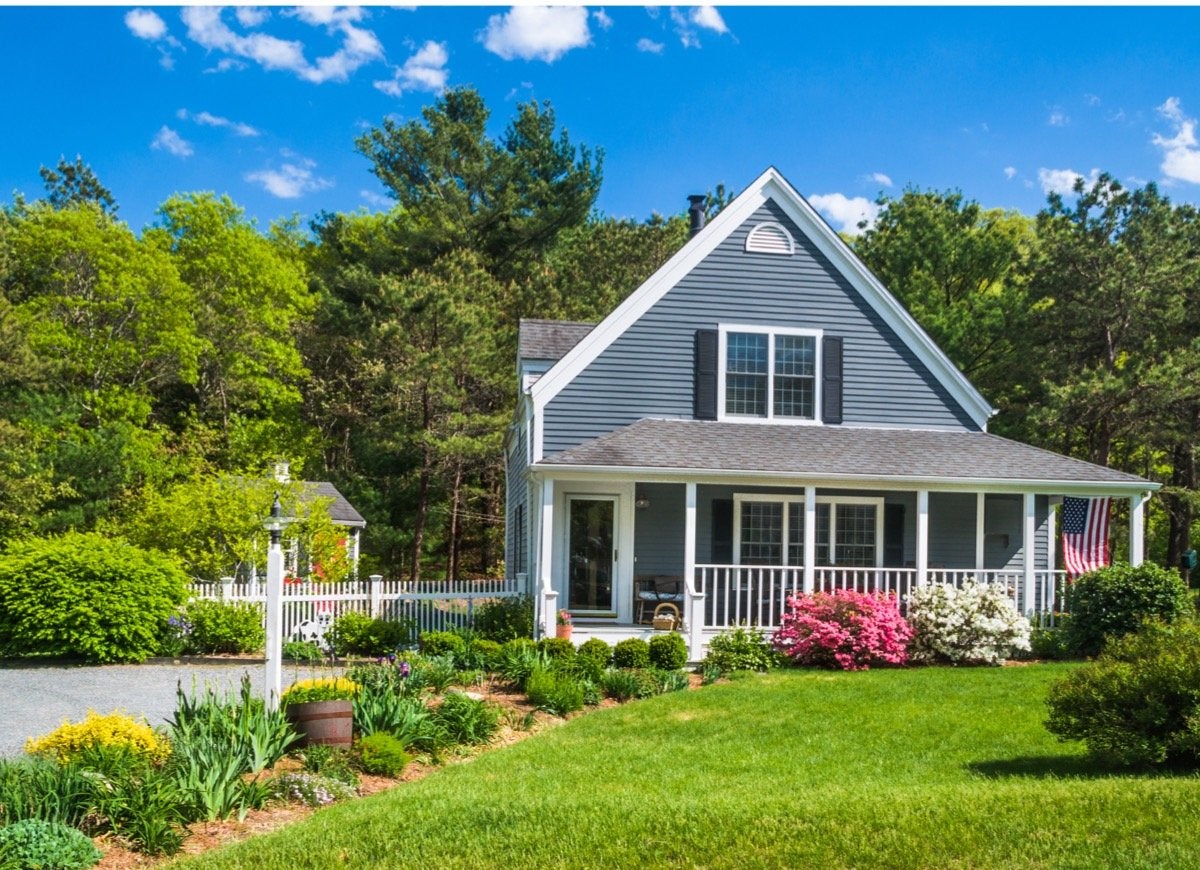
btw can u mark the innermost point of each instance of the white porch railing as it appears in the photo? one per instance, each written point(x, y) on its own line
point(310, 608)
point(757, 594)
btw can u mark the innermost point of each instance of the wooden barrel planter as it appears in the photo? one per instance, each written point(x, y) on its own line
point(323, 723)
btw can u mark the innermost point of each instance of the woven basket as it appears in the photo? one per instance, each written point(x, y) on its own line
point(666, 617)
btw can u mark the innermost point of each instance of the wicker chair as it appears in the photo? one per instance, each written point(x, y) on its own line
point(651, 591)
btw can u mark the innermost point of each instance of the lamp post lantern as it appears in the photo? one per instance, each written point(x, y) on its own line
point(275, 524)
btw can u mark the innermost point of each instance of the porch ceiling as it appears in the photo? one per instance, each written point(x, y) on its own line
point(833, 452)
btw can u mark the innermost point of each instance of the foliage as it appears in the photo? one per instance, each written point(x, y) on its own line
point(73, 183)
point(330, 761)
point(740, 649)
point(668, 651)
point(504, 619)
point(36, 788)
point(68, 740)
point(593, 657)
point(381, 754)
point(974, 624)
point(486, 653)
point(85, 595)
point(1112, 601)
point(302, 651)
point(441, 643)
point(554, 691)
point(320, 689)
point(309, 789)
point(1050, 642)
point(175, 635)
point(518, 659)
point(39, 845)
point(1139, 702)
point(356, 633)
point(143, 804)
point(556, 648)
point(846, 629)
point(237, 724)
point(224, 626)
point(633, 652)
point(466, 720)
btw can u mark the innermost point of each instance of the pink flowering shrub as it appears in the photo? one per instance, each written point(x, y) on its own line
point(845, 629)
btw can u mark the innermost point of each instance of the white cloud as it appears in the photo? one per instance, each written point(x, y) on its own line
point(424, 71)
point(145, 24)
point(207, 119)
point(709, 18)
point(687, 36)
point(291, 180)
point(1058, 118)
point(603, 19)
point(846, 211)
point(1010, 172)
point(251, 16)
point(1091, 99)
point(1181, 158)
point(168, 140)
point(359, 46)
point(537, 32)
point(646, 44)
point(376, 199)
point(881, 178)
point(1063, 180)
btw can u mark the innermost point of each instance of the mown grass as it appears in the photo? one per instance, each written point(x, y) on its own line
point(919, 768)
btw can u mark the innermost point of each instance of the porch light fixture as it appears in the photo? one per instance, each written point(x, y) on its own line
point(641, 502)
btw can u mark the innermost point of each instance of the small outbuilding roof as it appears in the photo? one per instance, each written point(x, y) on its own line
point(549, 339)
point(841, 452)
point(340, 510)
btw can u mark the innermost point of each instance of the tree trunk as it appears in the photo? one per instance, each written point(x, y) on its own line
point(422, 492)
point(455, 535)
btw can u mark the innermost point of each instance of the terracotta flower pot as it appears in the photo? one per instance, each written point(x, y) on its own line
point(563, 631)
point(326, 723)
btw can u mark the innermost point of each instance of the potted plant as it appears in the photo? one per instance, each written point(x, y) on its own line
point(322, 710)
point(563, 625)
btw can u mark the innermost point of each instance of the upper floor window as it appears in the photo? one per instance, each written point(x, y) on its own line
point(769, 374)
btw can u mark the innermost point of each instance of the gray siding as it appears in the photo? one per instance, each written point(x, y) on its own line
point(951, 530)
point(516, 506)
point(647, 371)
point(658, 529)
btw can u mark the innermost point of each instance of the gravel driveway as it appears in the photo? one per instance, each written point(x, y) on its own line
point(36, 699)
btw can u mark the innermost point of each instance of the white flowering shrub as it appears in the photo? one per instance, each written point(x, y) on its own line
point(972, 624)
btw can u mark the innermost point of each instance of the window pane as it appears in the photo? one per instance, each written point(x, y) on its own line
point(746, 394)
point(822, 534)
point(746, 374)
point(762, 533)
point(746, 353)
point(794, 355)
point(856, 535)
point(795, 533)
point(794, 397)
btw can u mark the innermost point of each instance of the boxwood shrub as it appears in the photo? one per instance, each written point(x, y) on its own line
point(86, 595)
point(668, 651)
point(1113, 601)
point(633, 652)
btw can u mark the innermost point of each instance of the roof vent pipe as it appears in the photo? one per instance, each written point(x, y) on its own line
point(696, 212)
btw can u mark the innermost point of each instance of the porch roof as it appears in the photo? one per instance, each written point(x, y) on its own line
point(833, 452)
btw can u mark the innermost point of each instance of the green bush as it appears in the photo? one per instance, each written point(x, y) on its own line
point(37, 788)
point(1113, 601)
point(38, 845)
point(505, 619)
point(302, 651)
point(518, 658)
point(557, 648)
point(668, 651)
point(740, 649)
point(1139, 702)
point(466, 720)
point(593, 658)
point(620, 685)
point(225, 627)
point(331, 761)
point(633, 652)
point(554, 691)
point(487, 652)
point(356, 634)
point(443, 643)
point(1049, 643)
point(86, 595)
point(381, 754)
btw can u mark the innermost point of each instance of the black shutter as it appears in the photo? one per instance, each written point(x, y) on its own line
point(831, 379)
point(722, 531)
point(705, 396)
point(893, 535)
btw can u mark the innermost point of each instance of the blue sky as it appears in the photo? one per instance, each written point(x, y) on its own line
point(265, 103)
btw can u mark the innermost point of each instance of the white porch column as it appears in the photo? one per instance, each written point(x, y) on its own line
point(810, 539)
point(693, 601)
point(1137, 528)
point(980, 528)
point(548, 597)
point(922, 537)
point(1028, 548)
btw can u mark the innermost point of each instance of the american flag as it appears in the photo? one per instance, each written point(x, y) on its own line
point(1085, 534)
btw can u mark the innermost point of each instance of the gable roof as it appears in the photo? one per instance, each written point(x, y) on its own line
point(768, 186)
point(549, 339)
point(341, 512)
point(845, 452)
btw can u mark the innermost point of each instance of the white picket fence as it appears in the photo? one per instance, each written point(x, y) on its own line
point(309, 608)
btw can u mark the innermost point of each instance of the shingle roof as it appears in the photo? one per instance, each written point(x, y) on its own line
point(340, 510)
point(833, 451)
point(549, 339)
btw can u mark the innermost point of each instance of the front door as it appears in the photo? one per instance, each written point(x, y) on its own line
point(591, 555)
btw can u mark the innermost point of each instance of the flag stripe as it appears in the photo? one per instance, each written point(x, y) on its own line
point(1085, 534)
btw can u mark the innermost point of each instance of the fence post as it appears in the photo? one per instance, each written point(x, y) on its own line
point(376, 595)
point(226, 588)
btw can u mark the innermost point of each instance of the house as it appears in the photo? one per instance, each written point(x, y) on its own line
point(762, 417)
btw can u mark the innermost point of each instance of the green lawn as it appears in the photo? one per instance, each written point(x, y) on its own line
point(917, 768)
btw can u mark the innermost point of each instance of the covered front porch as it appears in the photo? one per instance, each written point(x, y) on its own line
point(728, 552)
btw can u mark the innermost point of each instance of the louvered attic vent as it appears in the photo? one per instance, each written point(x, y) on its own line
point(770, 238)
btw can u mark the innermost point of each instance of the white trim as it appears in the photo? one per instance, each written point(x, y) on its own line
point(810, 534)
point(980, 528)
point(1137, 534)
point(769, 185)
point(1029, 548)
point(723, 331)
point(922, 537)
point(623, 539)
point(754, 246)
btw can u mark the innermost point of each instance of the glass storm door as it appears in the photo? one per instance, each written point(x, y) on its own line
point(590, 554)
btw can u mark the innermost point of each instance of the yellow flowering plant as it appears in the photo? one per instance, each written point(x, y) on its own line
point(114, 730)
point(320, 689)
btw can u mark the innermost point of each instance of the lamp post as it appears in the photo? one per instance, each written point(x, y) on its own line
point(275, 524)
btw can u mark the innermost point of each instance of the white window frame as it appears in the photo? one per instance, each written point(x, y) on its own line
point(789, 498)
point(770, 331)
